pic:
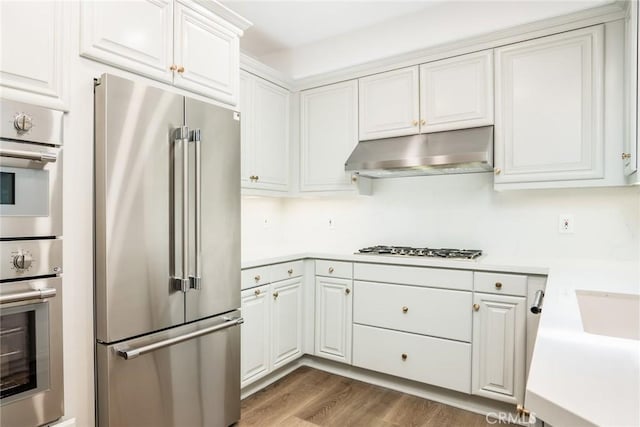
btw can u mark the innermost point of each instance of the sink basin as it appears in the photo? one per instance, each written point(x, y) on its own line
point(610, 314)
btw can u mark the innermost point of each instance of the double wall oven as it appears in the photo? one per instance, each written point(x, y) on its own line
point(31, 381)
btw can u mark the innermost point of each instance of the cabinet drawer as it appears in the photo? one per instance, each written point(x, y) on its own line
point(509, 284)
point(419, 276)
point(436, 312)
point(429, 360)
point(253, 277)
point(334, 269)
point(286, 270)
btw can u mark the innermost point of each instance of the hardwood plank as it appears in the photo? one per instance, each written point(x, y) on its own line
point(312, 398)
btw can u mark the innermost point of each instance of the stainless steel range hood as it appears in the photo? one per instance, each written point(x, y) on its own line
point(456, 151)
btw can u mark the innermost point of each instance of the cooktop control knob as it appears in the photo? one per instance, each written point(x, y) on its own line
point(23, 122)
point(22, 261)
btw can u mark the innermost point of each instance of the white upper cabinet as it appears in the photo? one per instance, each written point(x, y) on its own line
point(631, 142)
point(389, 104)
point(264, 110)
point(499, 347)
point(457, 92)
point(328, 134)
point(550, 108)
point(33, 47)
point(208, 50)
point(140, 40)
point(174, 41)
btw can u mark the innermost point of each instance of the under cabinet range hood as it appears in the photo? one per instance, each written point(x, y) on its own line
point(456, 151)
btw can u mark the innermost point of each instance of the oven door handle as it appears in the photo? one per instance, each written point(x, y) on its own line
point(135, 352)
point(36, 294)
point(29, 155)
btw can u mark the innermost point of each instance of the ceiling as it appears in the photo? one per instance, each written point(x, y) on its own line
point(281, 25)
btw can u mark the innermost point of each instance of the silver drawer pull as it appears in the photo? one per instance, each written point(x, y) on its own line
point(36, 294)
point(330, 269)
point(257, 292)
point(290, 271)
point(135, 352)
point(405, 309)
point(257, 278)
point(404, 356)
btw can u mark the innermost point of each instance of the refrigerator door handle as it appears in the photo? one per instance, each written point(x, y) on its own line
point(196, 279)
point(181, 279)
point(135, 352)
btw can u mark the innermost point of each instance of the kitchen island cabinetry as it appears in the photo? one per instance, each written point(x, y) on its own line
point(164, 39)
point(264, 108)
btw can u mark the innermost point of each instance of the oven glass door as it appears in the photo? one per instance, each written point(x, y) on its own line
point(24, 351)
point(30, 190)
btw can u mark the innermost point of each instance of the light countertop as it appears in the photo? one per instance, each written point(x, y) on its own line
point(575, 378)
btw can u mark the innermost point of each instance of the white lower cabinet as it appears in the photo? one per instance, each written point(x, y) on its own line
point(333, 319)
point(286, 321)
point(435, 361)
point(499, 347)
point(255, 333)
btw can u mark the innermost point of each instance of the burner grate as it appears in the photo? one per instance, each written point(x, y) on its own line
point(421, 252)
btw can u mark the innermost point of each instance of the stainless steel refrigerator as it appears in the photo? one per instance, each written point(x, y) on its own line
point(167, 258)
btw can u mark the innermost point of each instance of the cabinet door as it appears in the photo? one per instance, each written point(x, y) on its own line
point(255, 334)
point(630, 153)
point(389, 104)
point(33, 49)
point(270, 135)
point(457, 93)
point(333, 318)
point(208, 50)
point(549, 108)
point(140, 40)
point(499, 329)
point(286, 321)
point(328, 135)
point(247, 156)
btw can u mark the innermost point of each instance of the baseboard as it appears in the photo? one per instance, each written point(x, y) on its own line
point(476, 404)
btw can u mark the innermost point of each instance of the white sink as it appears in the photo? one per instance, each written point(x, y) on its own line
point(610, 314)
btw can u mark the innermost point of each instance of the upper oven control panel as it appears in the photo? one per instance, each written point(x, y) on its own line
point(23, 259)
point(30, 123)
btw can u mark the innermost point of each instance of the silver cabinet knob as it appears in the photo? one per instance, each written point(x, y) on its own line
point(347, 291)
point(275, 295)
point(498, 285)
point(257, 292)
point(476, 307)
point(331, 270)
point(23, 122)
point(290, 271)
point(404, 356)
point(257, 278)
point(405, 309)
point(497, 171)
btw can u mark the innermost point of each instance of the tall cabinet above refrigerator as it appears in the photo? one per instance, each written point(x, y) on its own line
point(167, 253)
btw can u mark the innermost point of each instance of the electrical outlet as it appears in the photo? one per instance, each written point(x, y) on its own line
point(566, 224)
point(266, 224)
point(332, 224)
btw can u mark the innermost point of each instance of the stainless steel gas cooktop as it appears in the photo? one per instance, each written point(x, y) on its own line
point(421, 252)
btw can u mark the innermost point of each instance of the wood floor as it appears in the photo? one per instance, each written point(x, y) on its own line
point(309, 397)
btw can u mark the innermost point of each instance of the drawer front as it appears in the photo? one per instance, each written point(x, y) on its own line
point(334, 269)
point(428, 360)
point(253, 277)
point(286, 270)
point(418, 276)
point(436, 312)
point(508, 284)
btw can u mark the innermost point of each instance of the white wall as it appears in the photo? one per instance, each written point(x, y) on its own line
point(439, 24)
point(459, 211)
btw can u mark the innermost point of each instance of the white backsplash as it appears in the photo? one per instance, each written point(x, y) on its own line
point(460, 211)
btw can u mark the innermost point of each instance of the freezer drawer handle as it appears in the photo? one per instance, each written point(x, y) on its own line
point(29, 155)
point(37, 294)
point(133, 353)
